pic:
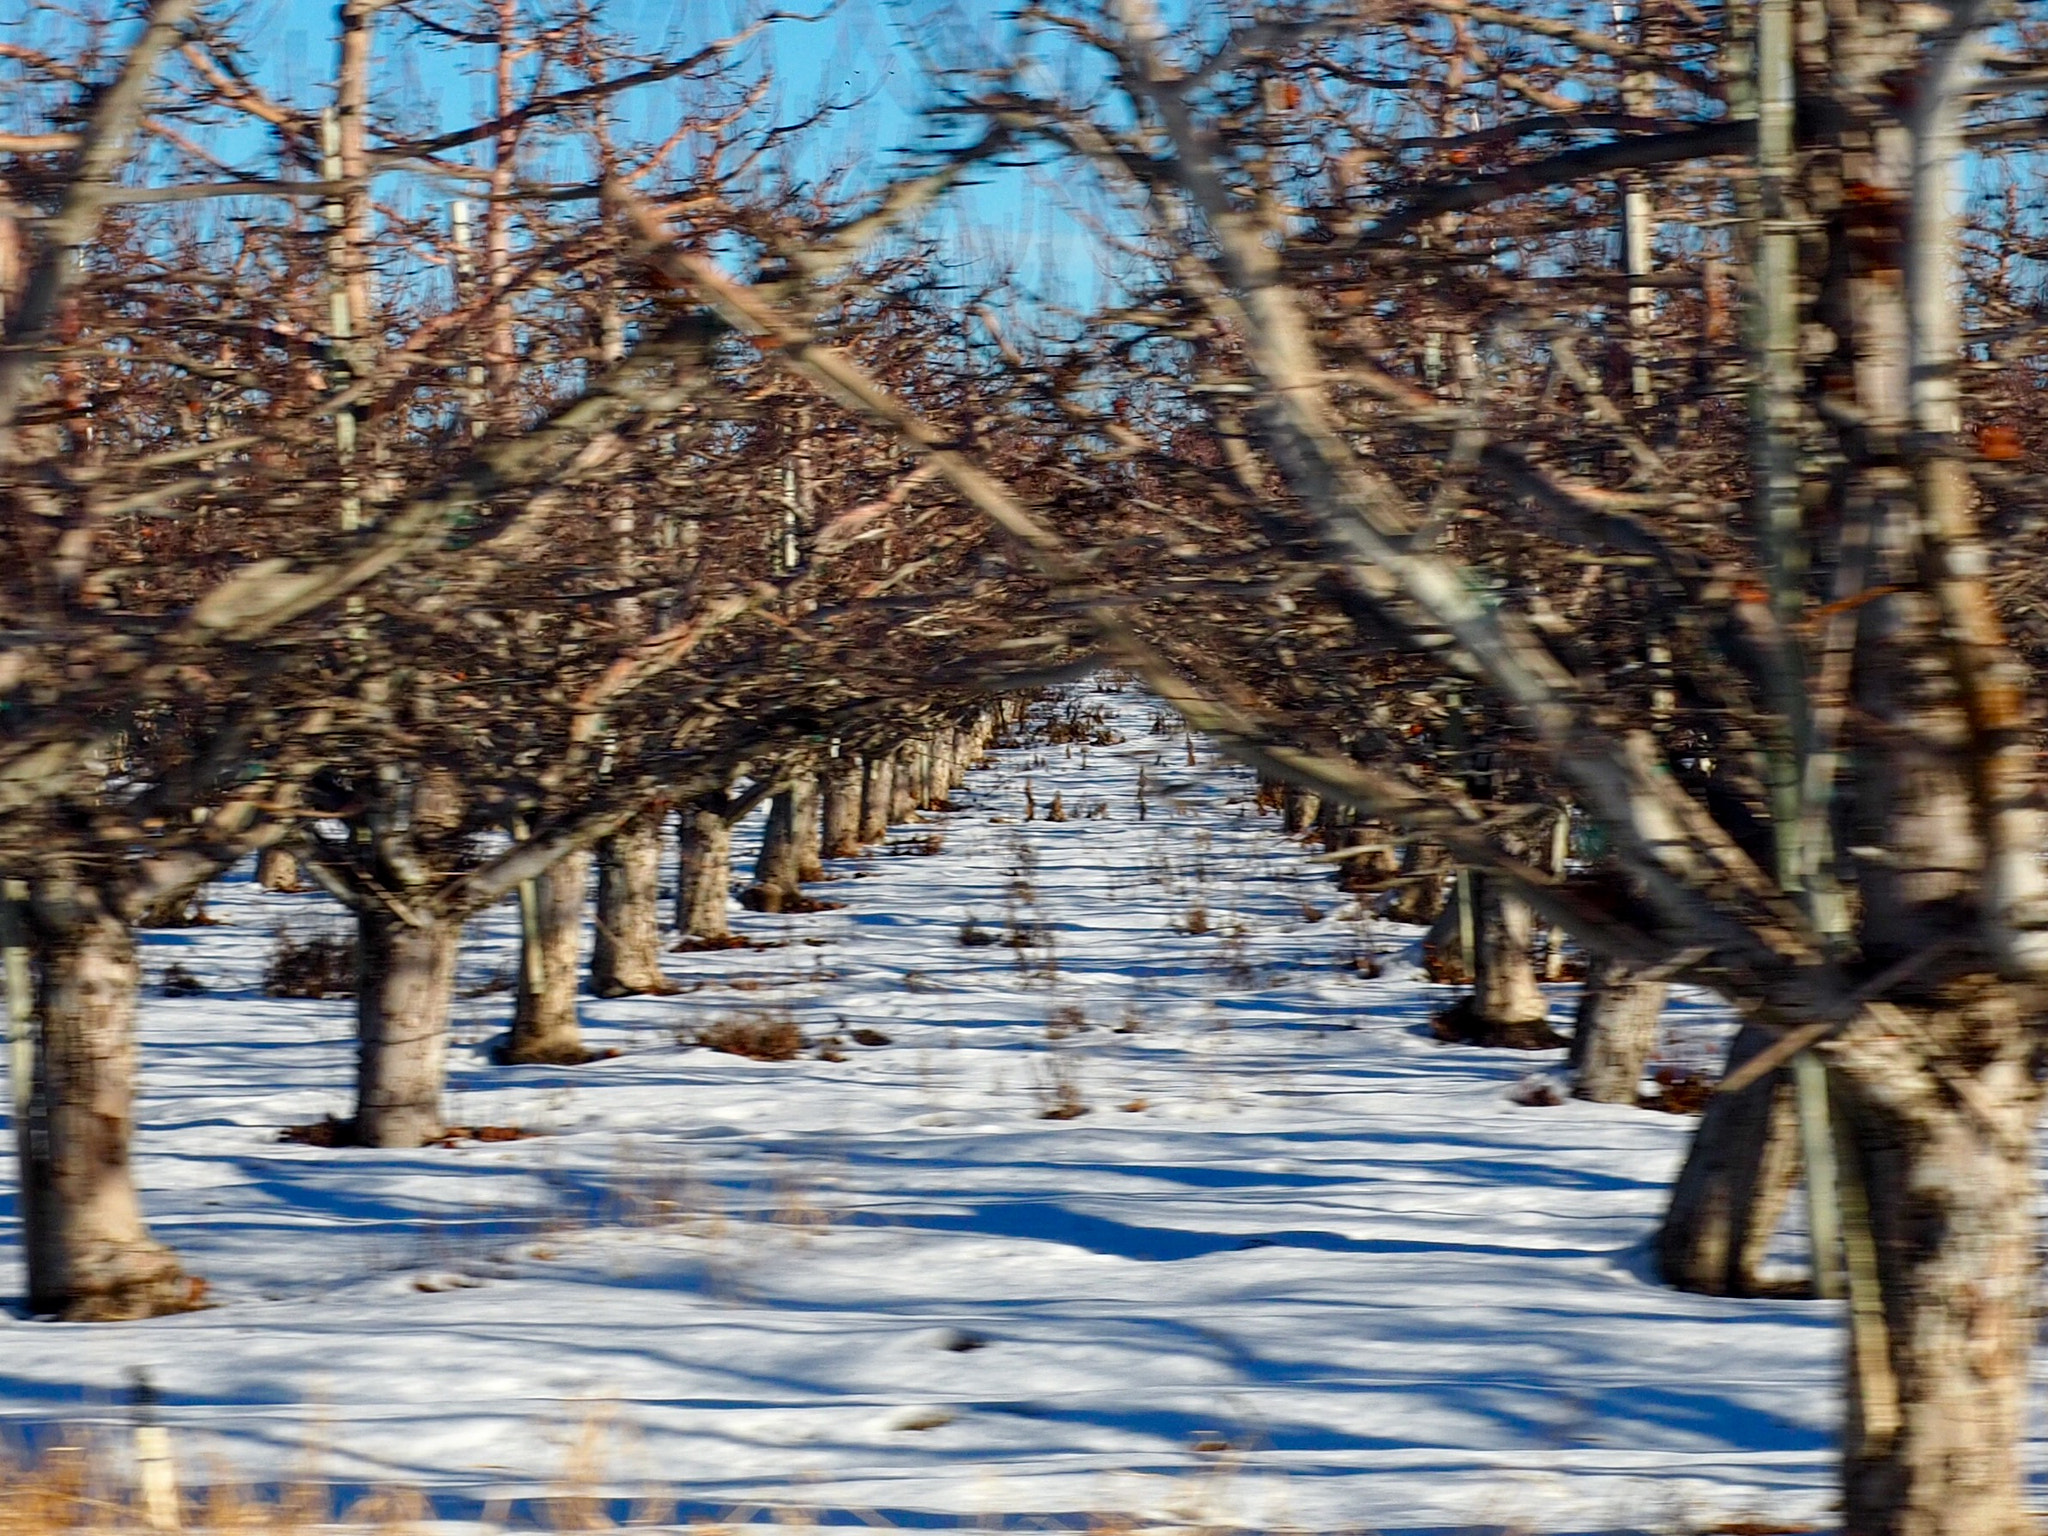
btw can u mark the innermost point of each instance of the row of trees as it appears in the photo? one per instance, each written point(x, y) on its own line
point(1491, 416)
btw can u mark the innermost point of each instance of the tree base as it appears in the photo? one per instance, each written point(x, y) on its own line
point(659, 987)
point(541, 1053)
point(1460, 1024)
point(159, 1289)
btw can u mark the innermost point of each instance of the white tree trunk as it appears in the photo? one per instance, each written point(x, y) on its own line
point(777, 883)
point(625, 953)
point(1616, 1032)
point(840, 815)
point(877, 797)
point(805, 829)
point(544, 1023)
point(703, 874)
point(90, 1255)
point(402, 1003)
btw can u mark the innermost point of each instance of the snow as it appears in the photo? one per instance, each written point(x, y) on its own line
point(1297, 1266)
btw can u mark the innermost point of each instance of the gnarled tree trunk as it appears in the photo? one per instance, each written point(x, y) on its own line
point(625, 954)
point(840, 816)
point(1732, 1190)
point(1615, 1033)
point(1299, 809)
point(703, 872)
point(906, 783)
point(402, 1003)
point(544, 1024)
point(90, 1255)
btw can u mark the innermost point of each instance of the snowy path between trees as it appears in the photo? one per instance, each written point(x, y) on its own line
point(1297, 1266)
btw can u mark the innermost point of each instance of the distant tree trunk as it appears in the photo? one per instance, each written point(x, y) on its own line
point(90, 1255)
point(1735, 1182)
point(625, 953)
point(704, 872)
point(905, 784)
point(805, 828)
point(277, 870)
point(1299, 809)
point(777, 883)
point(544, 1024)
point(1425, 884)
point(402, 1003)
point(842, 805)
point(1506, 989)
point(1615, 1033)
point(877, 797)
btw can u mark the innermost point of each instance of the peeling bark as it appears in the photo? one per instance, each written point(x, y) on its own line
point(840, 815)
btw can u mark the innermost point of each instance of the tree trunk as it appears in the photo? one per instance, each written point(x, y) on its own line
point(625, 955)
point(877, 797)
point(777, 884)
point(1615, 1033)
point(805, 830)
point(402, 1002)
point(277, 870)
point(1425, 884)
point(842, 806)
point(90, 1255)
point(704, 873)
point(905, 784)
point(1507, 989)
point(1734, 1185)
point(1299, 809)
point(544, 1025)
point(1938, 1373)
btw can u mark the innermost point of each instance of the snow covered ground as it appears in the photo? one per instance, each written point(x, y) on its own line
point(1296, 1266)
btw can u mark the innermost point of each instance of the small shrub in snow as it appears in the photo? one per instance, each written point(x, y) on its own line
point(320, 965)
point(757, 1036)
point(179, 982)
point(974, 936)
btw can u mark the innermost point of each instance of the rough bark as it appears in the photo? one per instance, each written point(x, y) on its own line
point(1424, 890)
point(1732, 1190)
point(906, 783)
point(704, 873)
point(625, 955)
point(277, 870)
point(840, 817)
point(877, 797)
point(1939, 1377)
point(402, 1003)
point(544, 1023)
point(1615, 1033)
point(90, 1255)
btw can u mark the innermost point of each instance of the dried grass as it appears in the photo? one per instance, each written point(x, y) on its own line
point(323, 964)
point(762, 1036)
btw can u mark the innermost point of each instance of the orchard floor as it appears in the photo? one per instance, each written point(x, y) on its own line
point(1296, 1266)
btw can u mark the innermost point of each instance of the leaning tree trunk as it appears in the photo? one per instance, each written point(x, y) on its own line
point(1615, 1033)
point(703, 873)
point(1737, 1177)
point(1938, 1372)
point(777, 884)
point(90, 1255)
point(625, 955)
point(877, 796)
point(544, 1024)
point(406, 984)
point(804, 828)
point(840, 834)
